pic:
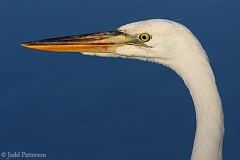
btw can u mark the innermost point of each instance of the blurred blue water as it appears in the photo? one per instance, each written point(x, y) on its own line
point(72, 106)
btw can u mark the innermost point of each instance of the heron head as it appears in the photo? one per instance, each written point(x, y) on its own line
point(146, 40)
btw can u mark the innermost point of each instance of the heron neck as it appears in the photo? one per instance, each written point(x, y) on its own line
point(199, 78)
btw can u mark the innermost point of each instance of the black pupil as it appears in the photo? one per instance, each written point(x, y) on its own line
point(144, 37)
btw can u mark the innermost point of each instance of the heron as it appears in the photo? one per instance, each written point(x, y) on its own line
point(168, 43)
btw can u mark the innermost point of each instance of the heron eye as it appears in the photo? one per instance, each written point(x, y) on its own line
point(144, 37)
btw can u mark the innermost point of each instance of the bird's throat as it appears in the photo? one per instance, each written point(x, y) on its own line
point(200, 81)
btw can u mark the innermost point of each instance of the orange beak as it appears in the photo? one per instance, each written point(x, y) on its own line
point(102, 42)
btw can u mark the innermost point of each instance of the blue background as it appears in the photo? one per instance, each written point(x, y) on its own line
point(72, 106)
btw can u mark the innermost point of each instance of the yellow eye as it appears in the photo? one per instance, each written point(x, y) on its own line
point(144, 37)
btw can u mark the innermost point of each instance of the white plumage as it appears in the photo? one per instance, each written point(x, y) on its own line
point(170, 44)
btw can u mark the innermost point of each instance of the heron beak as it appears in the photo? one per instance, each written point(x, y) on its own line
point(102, 42)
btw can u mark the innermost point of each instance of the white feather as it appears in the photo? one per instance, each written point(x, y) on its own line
point(173, 45)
